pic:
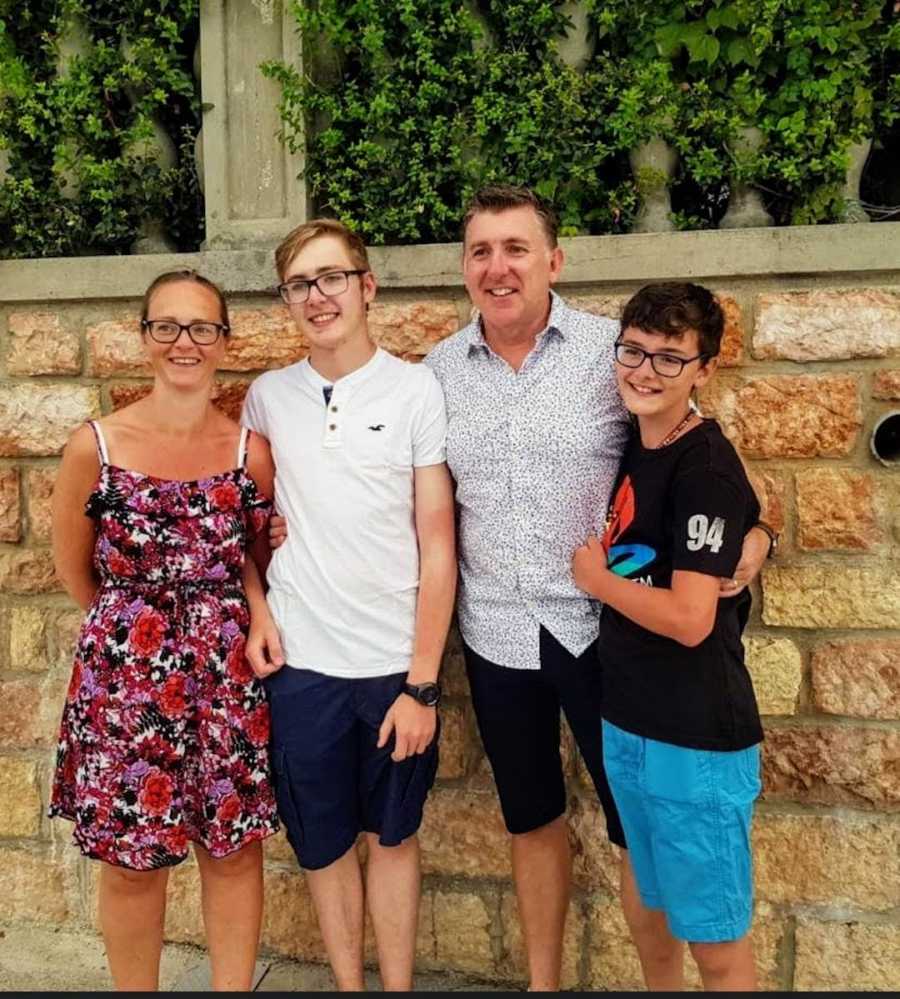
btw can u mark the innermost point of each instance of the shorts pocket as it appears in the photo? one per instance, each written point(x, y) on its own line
point(677, 774)
point(284, 798)
point(622, 754)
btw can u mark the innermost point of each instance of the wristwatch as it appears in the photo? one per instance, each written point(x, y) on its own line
point(773, 537)
point(428, 694)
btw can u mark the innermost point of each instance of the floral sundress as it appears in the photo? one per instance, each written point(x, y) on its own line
point(165, 731)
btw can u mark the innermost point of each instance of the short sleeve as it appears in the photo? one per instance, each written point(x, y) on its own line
point(429, 431)
point(710, 516)
point(253, 412)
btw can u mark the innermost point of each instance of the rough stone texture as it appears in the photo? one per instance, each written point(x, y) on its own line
point(787, 416)
point(860, 679)
point(63, 631)
point(462, 932)
point(30, 712)
point(605, 306)
point(411, 329)
point(228, 396)
point(817, 859)
point(37, 419)
point(595, 861)
point(425, 942)
point(770, 490)
point(20, 798)
point(262, 339)
point(514, 962)
point(458, 745)
point(10, 516)
point(125, 393)
point(827, 325)
point(289, 919)
point(833, 765)
point(776, 667)
point(831, 596)
point(115, 348)
point(28, 639)
point(463, 835)
point(28, 571)
point(34, 887)
point(454, 681)
point(38, 345)
point(277, 848)
point(886, 384)
point(836, 510)
point(846, 957)
point(40, 494)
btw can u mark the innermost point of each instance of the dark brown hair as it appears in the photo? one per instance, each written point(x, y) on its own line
point(173, 277)
point(671, 308)
point(295, 240)
point(501, 197)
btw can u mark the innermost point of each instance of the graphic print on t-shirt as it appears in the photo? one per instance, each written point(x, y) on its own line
point(624, 560)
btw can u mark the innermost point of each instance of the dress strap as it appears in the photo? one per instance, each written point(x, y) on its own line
point(102, 450)
point(242, 447)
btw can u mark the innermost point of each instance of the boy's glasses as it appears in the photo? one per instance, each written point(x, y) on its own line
point(296, 291)
point(667, 365)
point(167, 331)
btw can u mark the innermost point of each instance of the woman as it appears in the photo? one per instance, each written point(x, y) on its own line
point(165, 731)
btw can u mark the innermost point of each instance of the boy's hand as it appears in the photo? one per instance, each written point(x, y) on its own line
point(263, 648)
point(413, 725)
point(277, 531)
point(588, 565)
point(753, 557)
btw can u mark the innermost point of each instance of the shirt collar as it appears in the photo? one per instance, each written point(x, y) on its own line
point(556, 321)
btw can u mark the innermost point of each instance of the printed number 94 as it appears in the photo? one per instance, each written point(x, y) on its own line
point(703, 534)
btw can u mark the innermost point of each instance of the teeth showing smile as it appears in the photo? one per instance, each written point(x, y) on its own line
point(500, 292)
point(324, 317)
point(185, 361)
point(643, 389)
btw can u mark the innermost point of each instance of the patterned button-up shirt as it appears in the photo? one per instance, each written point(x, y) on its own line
point(534, 453)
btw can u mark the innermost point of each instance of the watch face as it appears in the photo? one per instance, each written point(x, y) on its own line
point(426, 693)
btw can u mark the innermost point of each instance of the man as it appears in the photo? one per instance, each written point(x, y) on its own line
point(536, 430)
point(362, 593)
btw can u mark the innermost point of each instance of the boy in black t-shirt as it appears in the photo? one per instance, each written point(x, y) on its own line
point(681, 727)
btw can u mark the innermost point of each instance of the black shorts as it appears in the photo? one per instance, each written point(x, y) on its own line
point(518, 717)
point(331, 779)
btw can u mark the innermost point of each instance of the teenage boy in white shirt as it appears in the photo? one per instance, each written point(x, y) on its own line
point(362, 593)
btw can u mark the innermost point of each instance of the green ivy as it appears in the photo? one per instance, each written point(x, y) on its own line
point(405, 106)
point(81, 175)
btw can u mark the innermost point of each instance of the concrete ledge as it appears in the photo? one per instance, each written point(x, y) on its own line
point(714, 254)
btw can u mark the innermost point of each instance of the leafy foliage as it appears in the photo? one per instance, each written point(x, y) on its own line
point(83, 85)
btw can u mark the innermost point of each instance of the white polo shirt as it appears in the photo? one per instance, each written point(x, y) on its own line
point(343, 586)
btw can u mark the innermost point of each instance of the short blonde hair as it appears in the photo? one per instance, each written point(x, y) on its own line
point(295, 240)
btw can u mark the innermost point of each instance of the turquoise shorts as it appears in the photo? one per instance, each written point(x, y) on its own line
point(686, 814)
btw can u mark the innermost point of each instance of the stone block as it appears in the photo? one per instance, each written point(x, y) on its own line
point(425, 942)
point(595, 861)
point(731, 351)
point(63, 631)
point(40, 496)
point(846, 956)
point(770, 490)
point(115, 347)
point(20, 798)
point(613, 963)
point(37, 419)
point(34, 886)
point(833, 860)
point(836, 510)
point(262, 339)
point(184, 913)
point(125, 393)
point(459, 741)
point(828, 325)
point(28, 639)
point(463, 835)
point(831, 596)
point(277, 849)
point(605, 306)
point(28, 570)
point(833, 765)
point(39, 345)
point(10, 510)
point(514, 963)
point(787, 416)
point(411, 329)
point(886, 384)
point(776, 667)
point(289, 925)
point(229, 397)
point(454, 681)
point(859, 679)
point(463, 932)
point(30, 713)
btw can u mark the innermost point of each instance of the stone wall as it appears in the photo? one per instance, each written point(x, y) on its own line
point(811, 360)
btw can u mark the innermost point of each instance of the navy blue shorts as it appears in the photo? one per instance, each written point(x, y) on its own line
point(331, 780)
point(518, 714)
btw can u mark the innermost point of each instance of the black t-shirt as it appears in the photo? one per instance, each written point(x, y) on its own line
point(685, 506)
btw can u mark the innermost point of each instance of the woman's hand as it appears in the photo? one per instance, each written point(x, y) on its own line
point(589, 567)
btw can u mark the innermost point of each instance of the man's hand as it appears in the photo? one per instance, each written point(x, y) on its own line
point(277, 531)
point(588, 565)
point(263, 648)
point(413, 726)
point(753, 556)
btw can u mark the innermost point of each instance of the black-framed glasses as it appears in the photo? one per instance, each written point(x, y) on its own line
point(168, 331)
point(296, 290)
point(667, 365)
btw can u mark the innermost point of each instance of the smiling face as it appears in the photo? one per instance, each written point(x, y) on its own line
point(508, 269)
point(184, 364)
point(653, 396)
point(330, 321)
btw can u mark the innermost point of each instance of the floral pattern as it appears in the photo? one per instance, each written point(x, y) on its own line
point(165, 731)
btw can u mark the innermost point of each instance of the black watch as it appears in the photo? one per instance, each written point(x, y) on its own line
point(773, 537)
point(428, 694)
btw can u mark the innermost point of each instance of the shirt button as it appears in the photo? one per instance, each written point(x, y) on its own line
point(332, 426)
point(334, 409)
